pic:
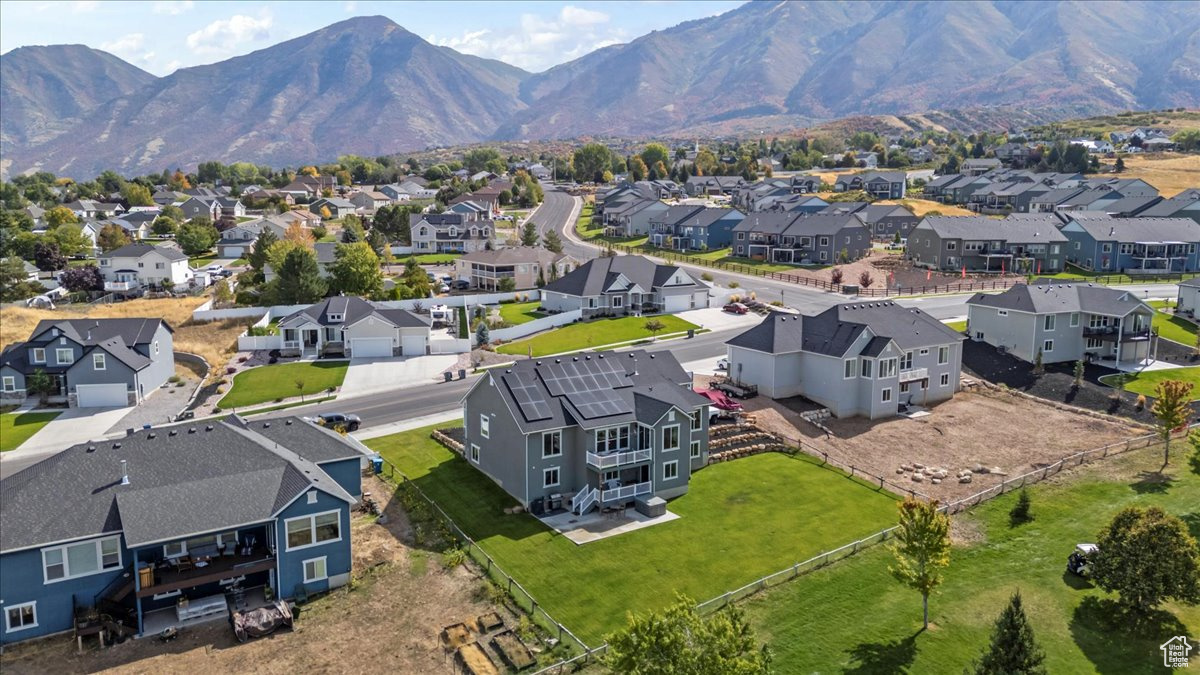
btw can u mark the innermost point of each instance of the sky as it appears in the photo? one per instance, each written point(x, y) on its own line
point(162, 36)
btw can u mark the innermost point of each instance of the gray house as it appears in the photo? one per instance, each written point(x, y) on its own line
point(91, 362)
point(449, 233)
point(801, 238)
point(1187, 298)
point(625, 285)
point(691, 227)
point(1063, 322)
point(356, 328)
point(1021, 243)
point(886, 220)
point(587, 431)
point(881, 184)
point(870, 359)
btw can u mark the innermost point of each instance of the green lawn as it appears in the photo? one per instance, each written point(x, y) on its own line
point(202, 260)
point(15, 428)
point(1172, 327)
point(1074, 273)
point(595, 333)
point(267, 383)
point(854, 617)
point(957, 326)
point(584, 223)
point(520, 312)
point(435, 258)
point(1146, 382)
point(739, 521)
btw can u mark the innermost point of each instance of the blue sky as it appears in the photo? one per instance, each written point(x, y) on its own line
point(162, 36)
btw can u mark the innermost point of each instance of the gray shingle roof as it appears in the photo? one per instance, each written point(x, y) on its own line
point(1030, 228)
point(1047, 297)
point(139, 250)
point(1183, 230)
point(833, 331)
point(594, 276)
point(352, 309)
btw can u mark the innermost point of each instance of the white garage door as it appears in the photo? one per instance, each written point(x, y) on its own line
point(231, 252)
point(677, 303)
point(365, 347)
point(412, 345)
point(102, 395)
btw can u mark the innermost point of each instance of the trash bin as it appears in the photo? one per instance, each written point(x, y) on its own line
point(462, 374)
point(691, 332)
point(449, 376)
point(377, 464)
point(849, 289)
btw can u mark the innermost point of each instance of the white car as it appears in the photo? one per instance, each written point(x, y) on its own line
point(723, 364)
point(214, 270)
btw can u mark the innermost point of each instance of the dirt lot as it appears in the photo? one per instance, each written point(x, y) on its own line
point(977, 427)
point(389, 621)
point(891, 270)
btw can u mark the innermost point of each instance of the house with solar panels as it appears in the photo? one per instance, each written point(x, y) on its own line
point(587, 431)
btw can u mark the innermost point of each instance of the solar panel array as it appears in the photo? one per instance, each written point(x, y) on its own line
point(583, 375)
point(528, 396)
point(603, 403)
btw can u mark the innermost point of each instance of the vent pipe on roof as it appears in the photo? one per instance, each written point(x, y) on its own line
point(124, 472)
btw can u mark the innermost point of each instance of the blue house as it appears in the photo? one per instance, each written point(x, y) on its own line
point(689, 227)
point(174, 525)
point(1132, 245)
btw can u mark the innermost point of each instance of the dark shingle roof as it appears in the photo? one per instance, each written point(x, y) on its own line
point(139, 250)
point(594, 276)
point(1048, 297)
point(833, 331)
point(352, 310)
point(1183, 230)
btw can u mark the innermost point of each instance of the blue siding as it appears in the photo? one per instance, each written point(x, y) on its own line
point(720, 233)
point(337, 553)
point(347, 473)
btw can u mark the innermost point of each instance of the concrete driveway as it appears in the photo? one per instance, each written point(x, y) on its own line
point(373, 375)
point(716, 319)
point(76, 425)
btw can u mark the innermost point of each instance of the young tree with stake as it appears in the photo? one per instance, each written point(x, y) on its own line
point(922, 548)
point(1171, 409)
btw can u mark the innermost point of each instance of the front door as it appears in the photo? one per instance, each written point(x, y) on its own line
point(310, 338)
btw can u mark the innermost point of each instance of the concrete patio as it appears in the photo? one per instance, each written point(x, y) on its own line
point(594, 526)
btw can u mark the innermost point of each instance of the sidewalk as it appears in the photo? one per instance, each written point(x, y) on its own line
point(406, 425)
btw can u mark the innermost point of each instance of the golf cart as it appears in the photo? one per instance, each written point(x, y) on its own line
point(1080, 560)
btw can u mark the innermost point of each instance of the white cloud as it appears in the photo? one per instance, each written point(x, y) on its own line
point(226, 36)
point(172, 7)
point(350, 7)
point(125, 44)
point(537, 42)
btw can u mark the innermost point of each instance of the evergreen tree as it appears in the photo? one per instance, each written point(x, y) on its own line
point(529, 235)
point(298, 280)
point(552, 242)
point(1013, 650)
point(481, 334)
point(258, 253)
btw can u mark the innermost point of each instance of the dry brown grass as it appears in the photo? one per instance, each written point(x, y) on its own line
point(921, 207)
point(1170, 172)
point(216, 341)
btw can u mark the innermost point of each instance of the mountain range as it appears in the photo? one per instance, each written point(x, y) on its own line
point(368, 86)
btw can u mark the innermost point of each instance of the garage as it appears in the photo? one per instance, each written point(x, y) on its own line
point(232, 251)
point(676, 303)
point(370, 347)
point(102, 395)
point(412, 345)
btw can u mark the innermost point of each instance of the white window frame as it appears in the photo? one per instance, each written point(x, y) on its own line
point(546, 477)
point(39, 358)
point(694, 449)
point(885, 395)
point(617, 300)
point(324, 569)
point(945, 381)
point(943, 355)
point(485, 425)
point(1049, 322)
point(66, 563)
point(906, 361)
point(850, 369)
point(887, 368)
point(673, 465)
point(546, 436)
point(678, 438)
point(312, 530)
point(697, 420)
point(9, 383)
point(9, 628)
point(1093, 343)
point(866, 368)
point(1047, 346)
point(475, 453)
point(904, 387)
point(1074, 319)
point(611, 436)
point(98, 362)
point(58, 359)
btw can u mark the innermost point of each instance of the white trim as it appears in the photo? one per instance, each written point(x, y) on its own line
point(557, 477)
point(8, 628)
point(945, 381)
point(312, 530)
point(98, 361)
point(484, 425)
point(552, 434)
point(58, 353)
point(66, 565)
point(885, 395)
point(694, 449)
point(35, 358)
point(474, 453)
point(8, 383)
point(673, 464)
point(678, 438)
point(324, 569)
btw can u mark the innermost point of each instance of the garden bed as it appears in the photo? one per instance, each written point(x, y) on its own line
point(512, 651)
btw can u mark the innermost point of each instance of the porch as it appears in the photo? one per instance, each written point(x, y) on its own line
point(217, 607)
point(601, 524)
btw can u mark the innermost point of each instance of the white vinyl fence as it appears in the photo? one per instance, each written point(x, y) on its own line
point(537, 325)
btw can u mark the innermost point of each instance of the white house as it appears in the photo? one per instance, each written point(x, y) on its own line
point(136, 266)
point(356, 328)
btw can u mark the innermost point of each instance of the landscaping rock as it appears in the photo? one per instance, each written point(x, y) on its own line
point(917, 478)
point(936, 481)
point(965, 479)
point(900, 470)
point(918, 466)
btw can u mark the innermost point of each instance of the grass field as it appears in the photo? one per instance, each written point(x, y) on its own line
point(267, 383)
point(597, 333)
point(1170, 172)
point(1173, 327)
point(520, 312)
point(1146, 382)
point(958, 326)
point(584, 226)
point(921, 207)
point(739, 521)
point(205, 260)
point(16, 428)
point(434, 258)
point(854, 617)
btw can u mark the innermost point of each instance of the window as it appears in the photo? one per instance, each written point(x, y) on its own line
point(904, 387)
point(20, 617)
point(82, 559)
point(105, 262)
point(551, 444)
point(943, 355)
point(924, 352)
point(671, 438)
point(866, 368)
point(906, 361)
point(615, 474)
point(484, 421)
point(10, 383)
point(474, 453)
point(1191, 249)
point(824, 241)
point(1074, 319)
point(887, 368)
point(951, 245)
point(1048, 324)
point(670, 470)
point(741, 236)
point(314, 570)
point(885, 395)
point(1002, 312)
point(617, 300)
point(1106, 248)
point(695, 449)
point(1048, 346)
point(550, 477)
point(1076, 246)
point(697, 420)
point(311, 530)
point(159, 266)
point(62, 356)
point(39, 355)
point(945, 379)
point(1094, 343)
point(1126, 249)
point(1053, 249)
point(312, 496)
point(612, 439)
point(98, 361)
point(851, 369)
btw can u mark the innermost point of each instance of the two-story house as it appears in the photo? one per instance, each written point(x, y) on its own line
point(1133, 245)
point(137, 267)
point(1028, 243)
point(201, 207)
point(355, 328)
point(625, 285)
point(238, 241)
point(887, 220)
point(630, 218)
point(1063, 322)
point(369, 201)
point(449, 233)
point(91, 362)
point(175, 524)
point(697, 186)
point(587, 431)
point(880, 184)
point(337, 207)
point(527, 266)
point(869, 359)
point(692, 227)
point(802, 238)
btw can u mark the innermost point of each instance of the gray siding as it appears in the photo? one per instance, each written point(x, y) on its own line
point(500, 454)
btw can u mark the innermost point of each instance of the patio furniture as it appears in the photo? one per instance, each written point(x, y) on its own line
point(183, 563)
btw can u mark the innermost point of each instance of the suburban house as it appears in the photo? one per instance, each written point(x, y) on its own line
point(1002, 198)
point(353, 327)
point(801, 238)
point(237, 241)
point(979, 166)
point(135, 267)
point(631, 218)
point(803, 185)
point(1020, 243)
point(871, 359)
point(1187, 299)
point(887, 220)
point(173, 523)
point(697, 186)
point(593, 430)
point(449, 233)
point(326, 253)
point(310, 186)
point(88, 208)
point(369, 200)
point(625, 285)
point(338, 207)
point(880, 184)
point(1063, 322)
point(201, 207)
point(408, 189)
point(527, 266)
point(1186, 204)
point(1133, 245)
point(687, 227)
point(798, 203)
point(920, 155)
point(91, 362)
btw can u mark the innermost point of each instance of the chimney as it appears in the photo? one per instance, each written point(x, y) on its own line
point(124, 472)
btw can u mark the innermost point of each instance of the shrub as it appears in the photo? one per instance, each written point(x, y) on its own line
point(173, 379)
point(706, 276)
point(1020, 511)
point(1141, 401)
point(453, 558)
point(734, 284)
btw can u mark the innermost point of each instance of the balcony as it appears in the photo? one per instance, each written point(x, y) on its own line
point(218, 568)
point(610, 460)
point(625, 492)
point(1109, 334)
point(121, 285)
point(914, 374)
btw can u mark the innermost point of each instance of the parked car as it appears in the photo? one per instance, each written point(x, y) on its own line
point(339, 421)
point(1080, 560)
point(215, 269)
point(462, 285)
point(723, 364)
point(444, 288)
point(735, 308)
